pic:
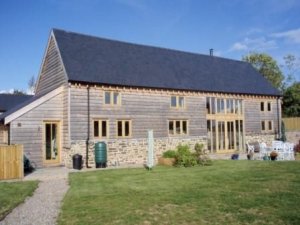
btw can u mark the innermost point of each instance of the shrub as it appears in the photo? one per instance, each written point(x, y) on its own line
point(169, 154)
point(201, 156)
point(184, 157)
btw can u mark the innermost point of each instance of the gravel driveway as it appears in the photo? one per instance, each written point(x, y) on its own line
point(43, 207)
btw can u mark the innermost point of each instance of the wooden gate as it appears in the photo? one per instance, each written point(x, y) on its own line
point(11, 162)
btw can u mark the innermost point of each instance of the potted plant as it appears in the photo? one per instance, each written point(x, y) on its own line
point(266, 157)
point(235, 155)
point(273, 155)
point(168, 158)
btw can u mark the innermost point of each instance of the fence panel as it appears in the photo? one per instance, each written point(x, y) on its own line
point(292, 123)
point(11, 162)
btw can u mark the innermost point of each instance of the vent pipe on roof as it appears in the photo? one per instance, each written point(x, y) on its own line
point(211, 52)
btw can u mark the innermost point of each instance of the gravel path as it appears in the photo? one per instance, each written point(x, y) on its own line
point(43, 207)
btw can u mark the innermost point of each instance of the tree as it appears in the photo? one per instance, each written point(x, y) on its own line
point(31, 85)
point(291, 66)
point(291, 100)
point(267, 66)
point(18, 92)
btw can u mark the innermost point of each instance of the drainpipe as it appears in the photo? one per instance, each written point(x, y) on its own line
point(278, 116)
point(88, 128)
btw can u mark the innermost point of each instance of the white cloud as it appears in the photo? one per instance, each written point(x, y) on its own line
point(291, 35)
point(255, 44)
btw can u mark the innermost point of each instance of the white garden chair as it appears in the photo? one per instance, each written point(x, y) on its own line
point(262, 150)
point(279, 148)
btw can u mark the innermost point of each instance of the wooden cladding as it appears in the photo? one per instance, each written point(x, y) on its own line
point(11, 162)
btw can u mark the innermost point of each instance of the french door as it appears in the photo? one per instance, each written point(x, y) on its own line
point(225, 135)
point(51, 142)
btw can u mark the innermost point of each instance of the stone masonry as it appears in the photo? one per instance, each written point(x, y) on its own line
point(122, 152)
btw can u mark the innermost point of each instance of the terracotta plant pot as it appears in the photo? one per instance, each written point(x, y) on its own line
point(166, 161)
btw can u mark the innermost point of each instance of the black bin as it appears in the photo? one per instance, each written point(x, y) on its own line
point(77, 161)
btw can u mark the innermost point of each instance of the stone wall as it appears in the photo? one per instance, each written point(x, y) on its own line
point(122, 152)
point(267, 138)
point(293, 136)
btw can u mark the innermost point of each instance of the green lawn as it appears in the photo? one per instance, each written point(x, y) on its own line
point(229, 192)
point(13, 193)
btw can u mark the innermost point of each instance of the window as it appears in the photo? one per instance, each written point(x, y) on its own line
point(177, 102)
point(262, 106)
point(112, 98)
point(270, 125)
point(263, 127)
point(178, 127)
point(123, 128)
point(269, 106)
point(101, 128)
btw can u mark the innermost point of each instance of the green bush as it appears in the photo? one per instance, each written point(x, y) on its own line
point(184, 157)
point(201, 156)
point(169, 154)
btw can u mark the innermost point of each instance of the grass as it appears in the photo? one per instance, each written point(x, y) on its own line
point(14, 193)
point(229, 192)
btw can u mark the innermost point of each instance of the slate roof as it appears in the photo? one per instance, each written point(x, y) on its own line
point(96, 60)
point(9, 101)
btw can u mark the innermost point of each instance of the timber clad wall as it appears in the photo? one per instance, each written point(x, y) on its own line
point(254, 116)
point(52, 74)
point(3, 135)
point(28, 128)
point(146, 110)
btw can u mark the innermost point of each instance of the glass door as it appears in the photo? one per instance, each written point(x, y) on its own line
point(51, 142)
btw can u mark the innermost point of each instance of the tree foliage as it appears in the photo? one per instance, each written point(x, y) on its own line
point(267, 66)
point(291, 100)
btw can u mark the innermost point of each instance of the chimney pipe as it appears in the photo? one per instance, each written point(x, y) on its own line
point(211, 52)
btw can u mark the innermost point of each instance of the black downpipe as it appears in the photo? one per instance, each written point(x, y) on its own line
point(278, 118)
point(88, 128)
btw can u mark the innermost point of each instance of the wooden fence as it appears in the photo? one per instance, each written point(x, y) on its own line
point(292, 123)
point(11, 162)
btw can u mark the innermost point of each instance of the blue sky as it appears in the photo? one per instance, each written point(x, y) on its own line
point(233, 28)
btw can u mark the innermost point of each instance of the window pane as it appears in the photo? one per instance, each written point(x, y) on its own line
point(177, 126)
point(104, 128)
point(262, 106)
point(240, 107)
point(181, 102)
point(222, 106)
point(270, 125)
point(208, 135)
point(173, 101)
point(213, 106)
point(269, 106)
point(127, 129)
point(184, 127)
point(208, 105)
point(96, 129)
point(171, 127)
point(120, 128)
point(262, 125)
point(116, 98)
point(107, 97)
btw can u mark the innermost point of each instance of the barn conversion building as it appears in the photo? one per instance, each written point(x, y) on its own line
point(92, 89)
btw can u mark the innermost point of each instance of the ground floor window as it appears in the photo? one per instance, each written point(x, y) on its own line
point(178, 127)
point(266, 125)
point(124, 128)
point(101, 128)
point(225, 135)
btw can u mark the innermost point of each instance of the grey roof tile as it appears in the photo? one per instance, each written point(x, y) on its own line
point(102, 61)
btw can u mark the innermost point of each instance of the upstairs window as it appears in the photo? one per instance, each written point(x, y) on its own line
point(112, 98)
point(269, 107)
point(262, 106)
point(177, 102)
